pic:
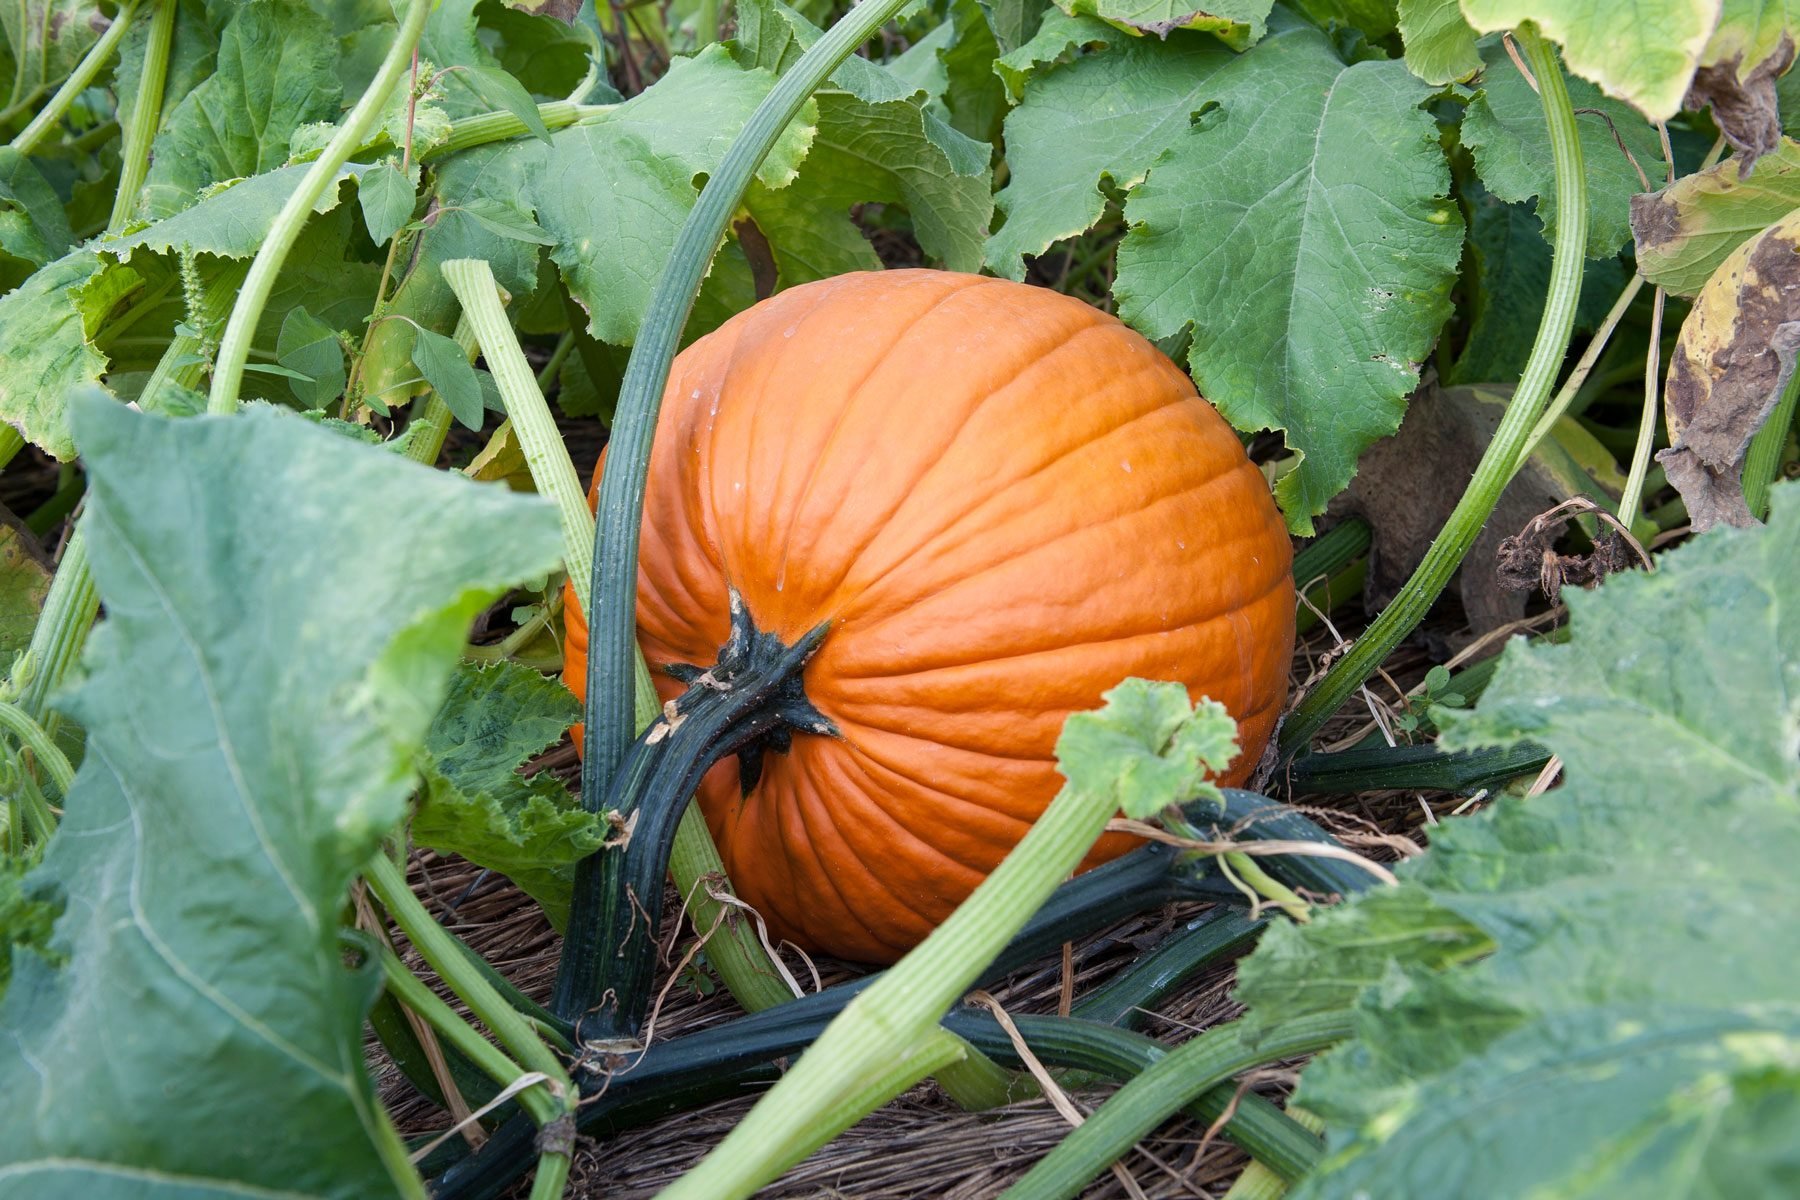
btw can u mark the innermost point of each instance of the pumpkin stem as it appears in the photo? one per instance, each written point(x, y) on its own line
point(747, 703)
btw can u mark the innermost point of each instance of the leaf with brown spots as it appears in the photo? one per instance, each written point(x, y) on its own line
point(1751, 47)
point(1686, 230)
point(1731, 362)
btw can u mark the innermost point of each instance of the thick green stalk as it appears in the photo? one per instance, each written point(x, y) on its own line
point(234, 349)
point(735, 950)
point(425, 436)
point(895, 1016)
point(439, 949)
point(146, 114)
point(31, 735)
point(1150, 1099)
point(1403, 615)
point(539, 440)
point(612, 620)
point(1260, 1183)
point(1763, 460)
point(411, 991)
point(486, 128)
point(97, 56)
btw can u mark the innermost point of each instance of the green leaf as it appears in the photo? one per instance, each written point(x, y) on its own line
point(504, 93)
point(1645, 57)
point(312, 351)
point(1635, 1028)
point(1237, 23)
point(444, 365)
point(1685, 231)
point(1440, 46)
point(41, 41)
point(1372, 18)
point(1315, 275)
point(232, 220)
point(24, 582)
point(1100, 121)
point(33, 225)
point(500, 220)
point(248, 749)
point(532, 830)
point(1148, 745)
point(45, 344)
point(387, 196)
point(875, 140)
point(276, 71)
point(1057, 41)
point(1504, 128)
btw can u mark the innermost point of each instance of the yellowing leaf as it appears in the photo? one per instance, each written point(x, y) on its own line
point(1685, 231)
point(1731, 362)
point(1645, 56)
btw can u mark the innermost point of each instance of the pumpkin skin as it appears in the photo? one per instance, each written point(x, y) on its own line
point(1005, 502)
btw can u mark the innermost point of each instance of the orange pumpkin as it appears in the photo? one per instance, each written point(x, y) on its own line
point(1005, 502)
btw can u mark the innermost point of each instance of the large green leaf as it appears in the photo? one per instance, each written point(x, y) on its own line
point(876, 140)
point(1504, 128)
point(1632, 1024)
point(33, 225)
point(1644, 54)
point(1686, 230)
point(1097, 122)
point(255, 699)
point(476, 803)
point(1440, 46)
point(1314, 274)
point(276, 71)
point(44, 342)
point(41, 41)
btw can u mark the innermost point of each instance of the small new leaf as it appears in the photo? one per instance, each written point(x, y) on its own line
point(444, 365)
point(387, 195)
point(1149, 746)
point(313, 357)
point(504, 92)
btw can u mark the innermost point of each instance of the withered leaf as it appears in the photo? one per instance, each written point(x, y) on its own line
point(1734, 356)
point(1749, 50)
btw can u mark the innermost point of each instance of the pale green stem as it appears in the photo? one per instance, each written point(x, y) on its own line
point(234, 348)
point(1763, 459)
point(1163, 1088)
point(977, 1083)
point(439, 949)
point(897, 1014)
point(425, 437)
point(560, 355)
point(1584, 367)
point(411, 991)
point(31, 735)
point(1257, 1182)
point(539, 440)
point(146, 114)
point(486, 128)
point(1646, 438)
point(1404, 613)
point(97, 56)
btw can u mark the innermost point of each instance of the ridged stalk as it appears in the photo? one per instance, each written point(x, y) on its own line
point(146, 114)
point(234, 348)
point(1763, 460)
point(98, 55)
point(1408, 608)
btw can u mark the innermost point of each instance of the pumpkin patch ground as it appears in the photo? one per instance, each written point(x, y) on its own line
point(936, 599)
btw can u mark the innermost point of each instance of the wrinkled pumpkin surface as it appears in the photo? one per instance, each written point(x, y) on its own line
point(1005, 502)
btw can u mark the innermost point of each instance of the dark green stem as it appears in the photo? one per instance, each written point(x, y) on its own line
point(1131, 995)
point(612, 615)
point(749, 701)
point(1403, 615)
point(1409, 768)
